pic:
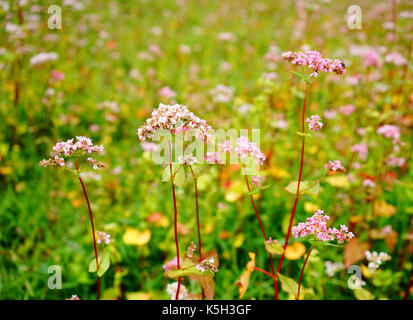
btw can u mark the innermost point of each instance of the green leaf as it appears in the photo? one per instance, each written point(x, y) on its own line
point(301, 76)
point(301, 134)
point(179, 177)
point(257, 190)
point(310, 187)
point(274, 248)
point(178, 173)
point(199, 169)
point(288, 285)
point(188, 268)
point(363, 294)
point(104, 263)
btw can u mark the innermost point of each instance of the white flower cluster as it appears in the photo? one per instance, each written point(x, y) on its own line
point(187, 159)
point(207, 264)
point(43, 57)
point(174, 118)
point(376, 259)
point(333, 267)
point(183, 291)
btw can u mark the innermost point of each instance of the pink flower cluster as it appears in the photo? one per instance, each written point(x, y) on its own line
point(390, 131)
point(334, 166)
point(103, 237)
point(362, 150)
point(244, 149)
point(315, 227)
point(256, 181)
point(314, 122)
point(174, 118)
point(315, 62)
point(393, 161)
point(69, 148)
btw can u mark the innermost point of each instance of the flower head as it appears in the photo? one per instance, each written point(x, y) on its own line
point(334, 166)
point(314, 122)
point(70, 148)
point(316, 228)
point(173, 118)
point(103, 237)
point(173, 287)
point(389, 131)
point(256, 181)
point(314, 61)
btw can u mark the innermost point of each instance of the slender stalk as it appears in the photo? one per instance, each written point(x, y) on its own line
point(178, 263)
point(298, 190)
point(263, 233)
point(93, 228)
point(406, 293)
point(302, 272)
point(197, 213)
point(263, 271)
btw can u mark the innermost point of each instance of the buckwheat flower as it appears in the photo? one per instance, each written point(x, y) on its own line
point(334, 166)
point(222, 94)
point(226, 36)
point(390, 131)
point(212, 157)
point(315, 62)
point(246, 148)
point(103, 237)
point(315, 227)
point(376, 259)
point(167, 93)
point(395, 58)
point(70, 148)
point(347, 109)
point(368, 183)
point(393, 161)
point(57, 75)
point(173, 287)
point(256, 181)
point(372, 59)
point(314, 122)
point(329, 114)
point(187, 159)
point(207, 264)
point(173, 118)
point(42, 58)
point(332, 267)
point(362, 150)
point(73, 297)
point(171, 265)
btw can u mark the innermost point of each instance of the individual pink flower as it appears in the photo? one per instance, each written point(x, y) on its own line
point(73, 297)
point(347, 109)
point(393, 161)
point(395, 58)
point(368, 183)
point(335, 166)
point(390, 131)
point(171, 265)
point(362, 150)
point(256, 181)
point(372, 59)
point(167, 93)
point(57, 75)
point(314, 122)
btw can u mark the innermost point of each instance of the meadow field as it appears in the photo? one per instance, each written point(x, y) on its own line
point(319, 95)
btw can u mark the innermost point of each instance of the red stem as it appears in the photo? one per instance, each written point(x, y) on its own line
point(263, 233)
point(93, 229)
point(175, 223)
point(302, 272)
point(298, 190)
point(263, 271)
point(406, 293)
